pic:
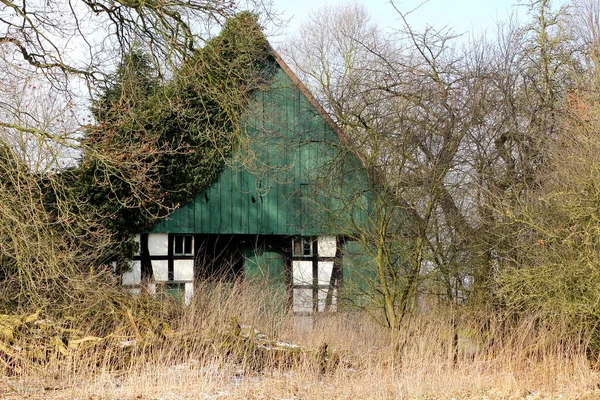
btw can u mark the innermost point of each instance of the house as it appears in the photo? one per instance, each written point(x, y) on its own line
point(272, 213)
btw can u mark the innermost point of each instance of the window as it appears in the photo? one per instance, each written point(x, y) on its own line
point(183, 245)
point(302, 247)
point(174, 291)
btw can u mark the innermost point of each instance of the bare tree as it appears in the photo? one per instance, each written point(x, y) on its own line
point(450, 136)
point(407, 106)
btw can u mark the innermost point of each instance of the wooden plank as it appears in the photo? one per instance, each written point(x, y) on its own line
point(299, 144)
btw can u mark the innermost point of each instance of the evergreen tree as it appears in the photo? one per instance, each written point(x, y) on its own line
point(156, 145)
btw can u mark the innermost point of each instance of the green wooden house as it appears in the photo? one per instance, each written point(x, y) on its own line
point(270, 215)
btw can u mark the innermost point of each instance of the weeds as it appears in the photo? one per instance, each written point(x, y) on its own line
point(232, 341)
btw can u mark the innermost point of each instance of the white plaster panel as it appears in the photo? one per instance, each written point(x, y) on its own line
point(189, 293)
point(183, 270)
point(303, 300)
point(325, 269)
point(334, 300)
point(302, 272)
point(136, 239)
point(134, 275)
point(326, 246)
point(323, 300)
point(152, 288)
point(160, 268)
point(158, 244)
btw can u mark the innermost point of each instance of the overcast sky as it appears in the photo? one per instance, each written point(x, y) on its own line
point(462, 15)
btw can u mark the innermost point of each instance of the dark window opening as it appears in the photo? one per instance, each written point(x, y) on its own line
point(302, 247)
point(183, 245)
point(222, 258)
point(219, 258)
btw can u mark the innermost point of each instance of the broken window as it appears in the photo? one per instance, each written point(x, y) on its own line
point(302, 247)
point(183, 245)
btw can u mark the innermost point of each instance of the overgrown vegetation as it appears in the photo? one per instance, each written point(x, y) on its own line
point(480, 154)
point(154, 144)
point(224, 345)
point(481, 233)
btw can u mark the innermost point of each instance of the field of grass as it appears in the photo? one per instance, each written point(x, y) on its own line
point(235, 342)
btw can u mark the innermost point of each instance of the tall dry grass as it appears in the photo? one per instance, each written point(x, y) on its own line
point(212, 349)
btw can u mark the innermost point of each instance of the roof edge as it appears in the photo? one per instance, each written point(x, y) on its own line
point(312, 100)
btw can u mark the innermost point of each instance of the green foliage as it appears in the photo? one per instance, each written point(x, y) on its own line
point(156, 145)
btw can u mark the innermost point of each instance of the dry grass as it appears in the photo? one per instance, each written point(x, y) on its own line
point(203, 354)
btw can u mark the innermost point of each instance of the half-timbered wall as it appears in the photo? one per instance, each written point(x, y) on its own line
point(165, 262)
point(316, 274)
point(268, 194)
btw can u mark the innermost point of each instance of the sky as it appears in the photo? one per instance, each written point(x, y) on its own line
point(461, 15)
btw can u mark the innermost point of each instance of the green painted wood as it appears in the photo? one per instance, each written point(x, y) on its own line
point(265, 266)
point(359, 274)
point(293, 144)
point(265, 269)
point(175, 290)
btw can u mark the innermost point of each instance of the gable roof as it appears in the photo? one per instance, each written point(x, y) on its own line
point(315, 103)
point(309, 96)
point(234, 204)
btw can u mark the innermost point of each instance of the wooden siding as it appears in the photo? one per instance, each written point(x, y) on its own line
point(270, 192)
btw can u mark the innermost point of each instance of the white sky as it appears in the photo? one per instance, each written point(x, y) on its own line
point(461, 15)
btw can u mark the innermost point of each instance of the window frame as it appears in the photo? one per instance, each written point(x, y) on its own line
point(306, 243)
point(184, 245)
